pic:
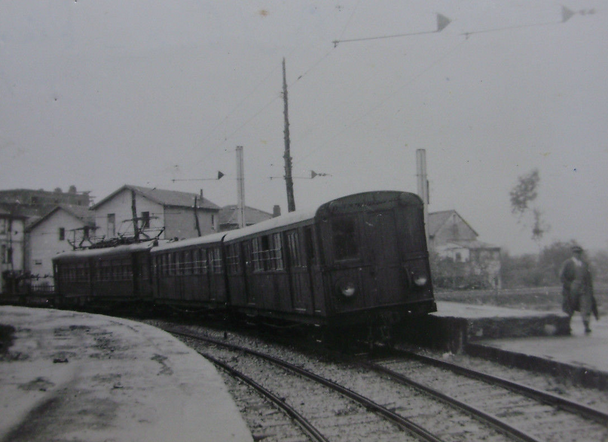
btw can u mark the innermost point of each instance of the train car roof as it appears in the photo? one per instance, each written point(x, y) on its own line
point(199, 240)
point(106, 251)
point(270, 224)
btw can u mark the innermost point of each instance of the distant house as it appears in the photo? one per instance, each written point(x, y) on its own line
point(159, 213)
point(44, 198)
point(58, 231)
point(472, 262)
point(12, 247)
point(21, 209)
point(228, 217)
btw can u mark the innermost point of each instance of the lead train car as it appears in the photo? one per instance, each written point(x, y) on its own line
point(358, 259)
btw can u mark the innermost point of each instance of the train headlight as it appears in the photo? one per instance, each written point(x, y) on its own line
point(420, 279)
point(346, 288)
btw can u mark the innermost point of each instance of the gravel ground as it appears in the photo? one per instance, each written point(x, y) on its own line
point(436, 416)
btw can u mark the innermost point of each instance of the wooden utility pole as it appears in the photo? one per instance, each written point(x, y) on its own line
point(291, 203)
point(134, 211)
point(196, 223)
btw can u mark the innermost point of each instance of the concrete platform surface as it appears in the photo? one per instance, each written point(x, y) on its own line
point(580, 357)
point(588, 351)
point(77, 376)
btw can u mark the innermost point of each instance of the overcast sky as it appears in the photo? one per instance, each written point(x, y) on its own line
point(99, 94)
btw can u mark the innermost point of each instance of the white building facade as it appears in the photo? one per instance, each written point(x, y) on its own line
point(161, 214)
point(58, 231)
point(12, 248)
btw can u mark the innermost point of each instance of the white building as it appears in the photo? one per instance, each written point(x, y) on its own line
point(12, 248)
point(451, 237)
point(159, 213)
point(58, 231)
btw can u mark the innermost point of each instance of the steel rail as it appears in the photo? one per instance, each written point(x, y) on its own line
point(302, 422)
point(400, 421)
point(493, 421)
point(539, 395)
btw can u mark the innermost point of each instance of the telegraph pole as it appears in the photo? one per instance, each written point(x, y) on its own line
point(134, 212)
point(291, 203)
point(240, 187)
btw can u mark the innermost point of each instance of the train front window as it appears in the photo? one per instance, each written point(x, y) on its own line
point(344, 232)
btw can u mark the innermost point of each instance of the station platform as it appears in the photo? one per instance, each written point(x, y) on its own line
point(75, 376)
point(535, 340)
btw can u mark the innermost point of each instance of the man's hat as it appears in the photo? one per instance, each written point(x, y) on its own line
point(577, 249)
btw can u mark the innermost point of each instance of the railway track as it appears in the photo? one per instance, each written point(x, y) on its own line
point(332, 411)
point(415, 395)
point(524, 412)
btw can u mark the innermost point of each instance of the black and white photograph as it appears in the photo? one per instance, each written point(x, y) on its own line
point(303, 221)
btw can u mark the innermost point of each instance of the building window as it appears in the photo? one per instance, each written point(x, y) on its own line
point(61, 234)
point(3, 252)
point(111, 225)
point(145, 220)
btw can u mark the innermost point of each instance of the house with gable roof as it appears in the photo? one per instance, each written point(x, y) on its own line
point(60, 230)
point(162, 214)
point(229, 216)
point(474, 263)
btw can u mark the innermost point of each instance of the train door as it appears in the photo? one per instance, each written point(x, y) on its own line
point(299, 280)
point(313, 264)
point(385, 263)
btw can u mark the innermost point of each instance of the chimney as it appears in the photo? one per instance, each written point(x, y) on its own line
point(201, 197)
point(276, 211)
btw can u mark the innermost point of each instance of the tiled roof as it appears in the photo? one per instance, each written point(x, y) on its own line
point(438, 219)
point(164, 197)
point(80, 212)
point(228, 215)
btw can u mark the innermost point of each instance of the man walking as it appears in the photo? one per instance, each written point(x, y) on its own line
point(578, 288)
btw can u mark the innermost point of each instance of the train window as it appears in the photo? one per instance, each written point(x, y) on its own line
point(278, 262)
point(170, 269)
point(178, 263)
point(216, 260)
point(309, 246)
point(196, 257)
point(203, 262)
point(187, 262)
point(127, 269)
point(247, 253)
point(293, 246)
point(160, 265)
point(257, 255)
point(263, 255)
point(166, 264)
point(233, 259)
point(345, 239)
